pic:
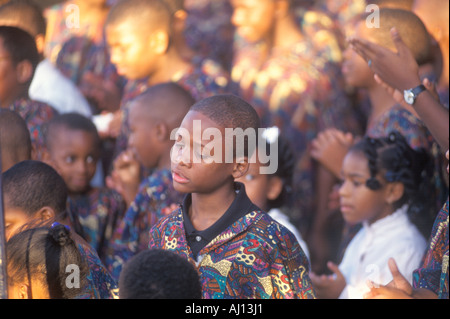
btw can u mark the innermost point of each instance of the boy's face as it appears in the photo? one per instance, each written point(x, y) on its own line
point(74, 155)
point(142, 139)
point(14, 219)
point(130, 50)
point(358, 202)
point(8, 75)
point(192, 170)
point(254, 19)
point(355, 69)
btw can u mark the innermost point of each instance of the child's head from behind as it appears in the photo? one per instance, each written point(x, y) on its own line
point(159, 274)
point(138, 33)
point(153, 116)
point(34, 192)
point(18, 61)
point(15, 141)
point(27, 15)
point(382, 175)
point(412, 30)
point(269, 191)
point(37, 264)
point(214, 143)
point(73, 148)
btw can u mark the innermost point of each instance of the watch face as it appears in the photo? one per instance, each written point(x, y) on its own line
point(409, 97)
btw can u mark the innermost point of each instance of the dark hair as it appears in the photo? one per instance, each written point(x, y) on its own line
point(26, 14)
point(44, 253)
point(71, 121)
point(20, 45)
point(143, 13)
point(31, 185)
point(159, 274)
point(286, 166)
point(398, 162)
point(230, 111)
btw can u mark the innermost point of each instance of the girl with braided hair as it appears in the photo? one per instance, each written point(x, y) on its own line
point(38, 264)
point(386, 187)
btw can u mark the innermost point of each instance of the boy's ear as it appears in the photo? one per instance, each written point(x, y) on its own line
point(23, 292)
point(275, 187)
point(394, 192)
point(24, 71)
point(46, 213)
point(241, 167)
point(160, 41)
point(162, 132)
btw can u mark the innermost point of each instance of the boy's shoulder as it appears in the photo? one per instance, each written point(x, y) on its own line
point(30, 109)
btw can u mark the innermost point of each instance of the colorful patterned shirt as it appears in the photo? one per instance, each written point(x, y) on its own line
point(100, 284)
point(156, 198)
point(35, 114)
point(433, 274)
point(254, 257)
point(98, 212)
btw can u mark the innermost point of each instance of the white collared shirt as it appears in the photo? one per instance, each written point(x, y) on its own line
point(367, 255)
point(50, 86)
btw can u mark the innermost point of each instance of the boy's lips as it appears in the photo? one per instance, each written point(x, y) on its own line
point(179, 178)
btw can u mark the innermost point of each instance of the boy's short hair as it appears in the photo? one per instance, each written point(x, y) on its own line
point(14, 135)
point(166, 100)
point(410, 27)
point(20, 45)
point(70, 121)
point(232, 112)
point(145, 14)
point(159, 274)
point(26, 15)
point(32, 185)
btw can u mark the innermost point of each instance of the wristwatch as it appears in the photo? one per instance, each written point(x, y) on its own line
point(412, 94)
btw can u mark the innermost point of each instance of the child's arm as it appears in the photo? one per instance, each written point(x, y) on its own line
point(400, 72)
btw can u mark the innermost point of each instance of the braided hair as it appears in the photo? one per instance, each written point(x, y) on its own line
point(396, 161)
point(44, 254)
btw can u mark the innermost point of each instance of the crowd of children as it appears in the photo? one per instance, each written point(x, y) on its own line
point(137, 137)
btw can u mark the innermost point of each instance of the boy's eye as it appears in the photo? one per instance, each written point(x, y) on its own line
point(70, 159)
point(90, 159)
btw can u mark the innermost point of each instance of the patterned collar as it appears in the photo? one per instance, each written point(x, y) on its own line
point(240, 207)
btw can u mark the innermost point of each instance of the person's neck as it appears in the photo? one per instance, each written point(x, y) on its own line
point(380, 100)
point(6, 102)
point(165, 161)
point(206, 209)
point(286, 33)
point(169, 65)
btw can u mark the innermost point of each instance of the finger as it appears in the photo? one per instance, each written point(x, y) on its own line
point(364, 48)
point(402, 49)
point(394, 269)
point(335, 269)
